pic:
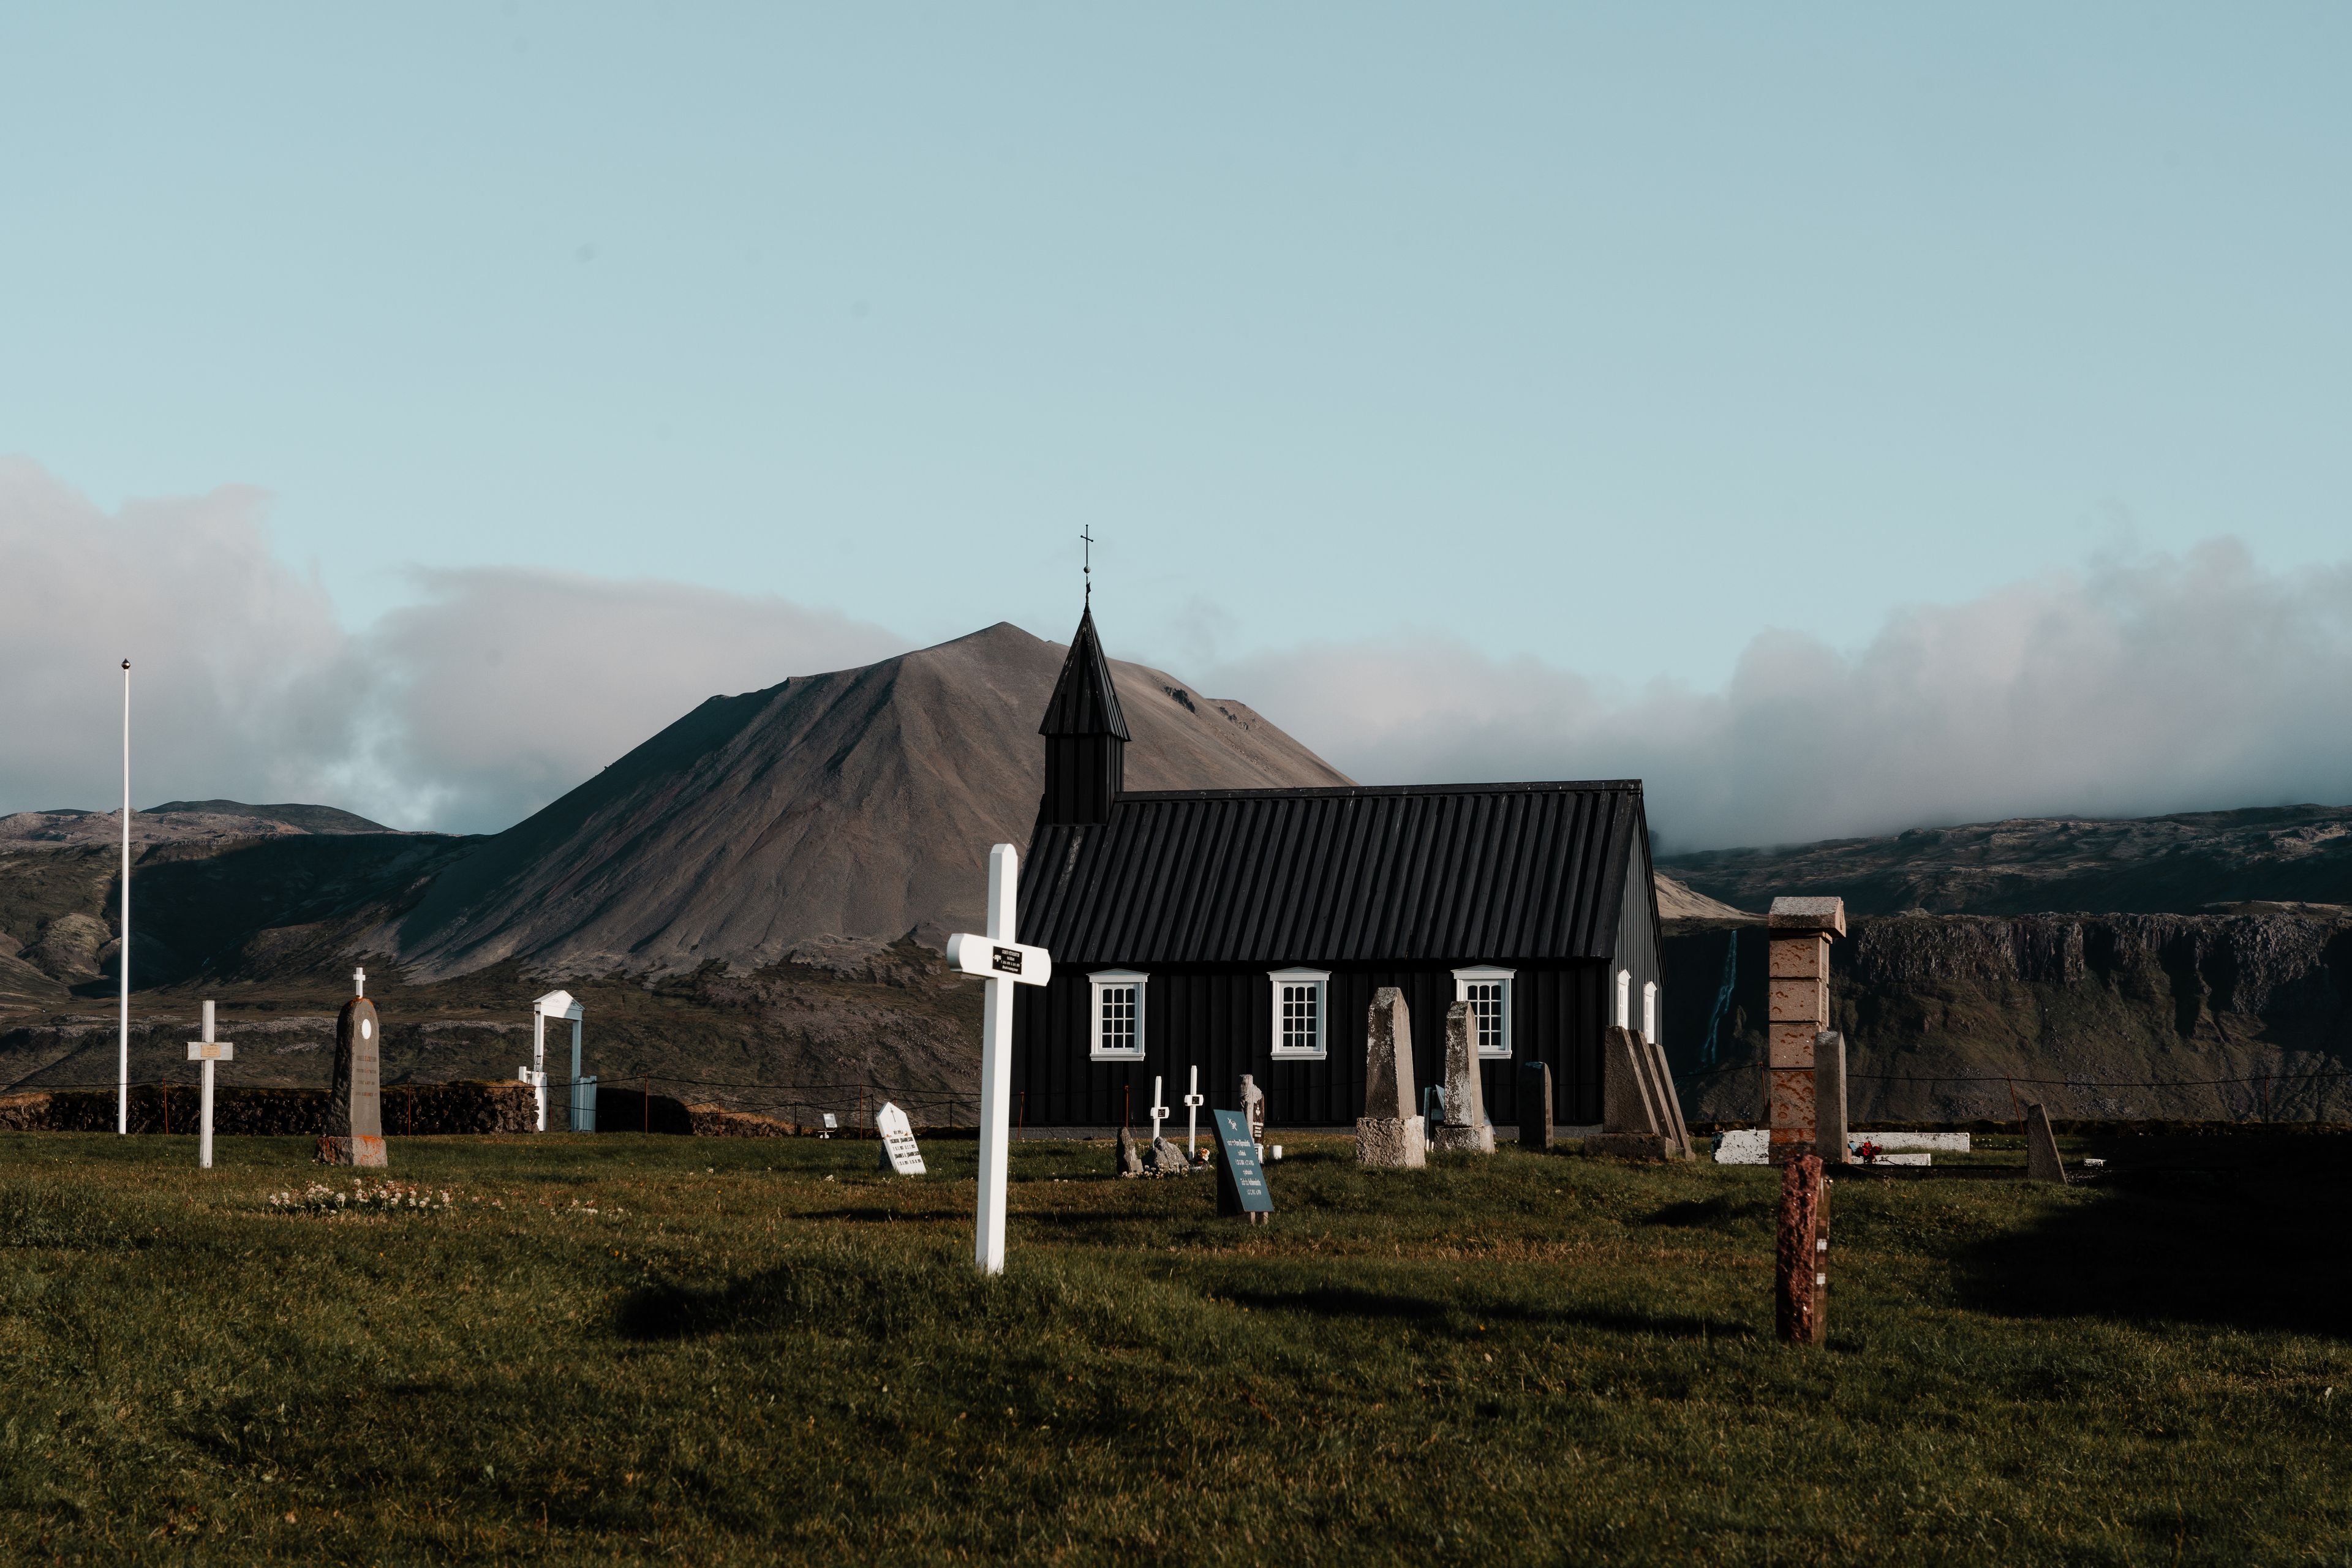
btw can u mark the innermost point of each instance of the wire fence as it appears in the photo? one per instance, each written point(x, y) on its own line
point(2302, 1095)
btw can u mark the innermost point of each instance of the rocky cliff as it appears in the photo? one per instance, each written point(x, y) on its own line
point(2124, 1016)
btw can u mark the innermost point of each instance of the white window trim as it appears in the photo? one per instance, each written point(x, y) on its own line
point(1650, 1011)
point(1096, 985)
point(1462, 979)
point(1625, 998)
point(1321, 980)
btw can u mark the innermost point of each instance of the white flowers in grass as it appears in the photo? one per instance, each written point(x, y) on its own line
point(361, 1197)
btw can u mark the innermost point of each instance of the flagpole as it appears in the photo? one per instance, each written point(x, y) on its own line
point(123, 953)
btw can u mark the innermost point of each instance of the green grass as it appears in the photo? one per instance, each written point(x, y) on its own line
point(755, 1351)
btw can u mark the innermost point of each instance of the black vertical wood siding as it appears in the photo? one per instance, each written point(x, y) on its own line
point(1220, 1018)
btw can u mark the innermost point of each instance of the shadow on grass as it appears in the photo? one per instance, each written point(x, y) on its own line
point(1721, 1213)
point(1357, 1302)
point(2242, 1230)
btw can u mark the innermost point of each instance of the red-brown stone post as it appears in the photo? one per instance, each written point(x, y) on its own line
point(1799, 975)
point(1801, 1269)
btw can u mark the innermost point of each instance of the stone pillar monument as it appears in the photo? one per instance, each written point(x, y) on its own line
point(1466, 1129)
point(1390, 1133)
point(1800, 931)
point(354, 1132)
point(1534, 1106)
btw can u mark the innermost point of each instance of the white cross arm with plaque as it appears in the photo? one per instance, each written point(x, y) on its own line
point(992, 959)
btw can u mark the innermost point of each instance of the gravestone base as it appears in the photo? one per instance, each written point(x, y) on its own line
point(365, 1152)
point(1391, 1145)
point(1463, 1141)
point(1633, 1146)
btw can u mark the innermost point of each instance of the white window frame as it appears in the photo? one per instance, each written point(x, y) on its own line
point(1486, 974)
point(1097, 983)
point(1650, 1011)
point(1321, 980)
point(1625, 998)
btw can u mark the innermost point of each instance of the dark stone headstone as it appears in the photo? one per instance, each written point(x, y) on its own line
point(354, 1130)
point(1535, 1105)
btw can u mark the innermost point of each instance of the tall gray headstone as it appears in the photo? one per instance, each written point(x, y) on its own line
point(1535, 1105)
point(2042, 1162)
point(1832, 1138)
point(354, 1130)
point(1388, 1134)
point(1466, 1129)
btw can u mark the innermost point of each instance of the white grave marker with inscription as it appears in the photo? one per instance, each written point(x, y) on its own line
point(1007, 963)
point(898, 1151)
point(208, 1051)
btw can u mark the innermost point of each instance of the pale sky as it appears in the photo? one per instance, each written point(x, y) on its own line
point(1609, 340)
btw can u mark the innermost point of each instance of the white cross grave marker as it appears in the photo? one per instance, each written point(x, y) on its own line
point(208, 1050)
point(1005, 963)
point(1193, 1101)
point(1158, 1111)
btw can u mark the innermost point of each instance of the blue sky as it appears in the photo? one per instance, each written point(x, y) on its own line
point(1609, 338)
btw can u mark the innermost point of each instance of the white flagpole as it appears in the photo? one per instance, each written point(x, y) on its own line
point(122, 955)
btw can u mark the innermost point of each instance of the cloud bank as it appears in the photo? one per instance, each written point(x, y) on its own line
point(495, 692)
point(2133, 686)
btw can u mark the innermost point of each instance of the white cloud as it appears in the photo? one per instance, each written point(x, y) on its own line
point(2134, 687)
point(468, 711)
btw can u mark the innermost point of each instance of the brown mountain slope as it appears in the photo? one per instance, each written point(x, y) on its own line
point(859, 804)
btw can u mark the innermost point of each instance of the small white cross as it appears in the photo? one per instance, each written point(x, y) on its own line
point(1158, 1111)
point(359, 982)
point(1192, 1103)
point(208, 1051)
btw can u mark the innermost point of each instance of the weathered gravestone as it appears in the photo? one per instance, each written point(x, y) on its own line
point(1830, 1137)
point(354, 1132)
point(1254, 1109)
point(1130, 1153)
point(1241, 1180)
point(1535, 1105)
point(1797, 1012)
point(1388, 1134)
point(1466, 1129)
point(2043, 1163)
point(1168, 1160)
point(900, 1157)
point(1641, 1117)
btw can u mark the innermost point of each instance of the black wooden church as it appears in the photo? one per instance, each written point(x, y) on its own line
point(1244, 930)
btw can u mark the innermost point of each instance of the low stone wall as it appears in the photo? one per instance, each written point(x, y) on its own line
point(420, 1110)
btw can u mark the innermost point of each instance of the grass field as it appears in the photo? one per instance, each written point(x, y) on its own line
point(704, 1350)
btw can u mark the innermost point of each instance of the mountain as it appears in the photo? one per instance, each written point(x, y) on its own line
point(2183, 864)
point(857, 805)
point(182, 822)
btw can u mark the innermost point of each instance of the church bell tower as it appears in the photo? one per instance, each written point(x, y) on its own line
point(1086, 736)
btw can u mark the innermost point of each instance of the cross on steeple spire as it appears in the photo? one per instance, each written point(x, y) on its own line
point(1086, 537)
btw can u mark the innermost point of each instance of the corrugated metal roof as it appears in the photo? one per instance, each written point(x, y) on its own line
point(1459, 872)
point(1084, 702)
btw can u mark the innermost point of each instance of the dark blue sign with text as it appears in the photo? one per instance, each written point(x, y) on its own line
point(1241, 1180)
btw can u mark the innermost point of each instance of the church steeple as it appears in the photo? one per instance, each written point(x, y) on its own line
point(1086, 736)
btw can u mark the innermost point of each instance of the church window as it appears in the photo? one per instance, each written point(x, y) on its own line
point(1488, 992)
point(1118, 1029)
point(1299, 1009)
